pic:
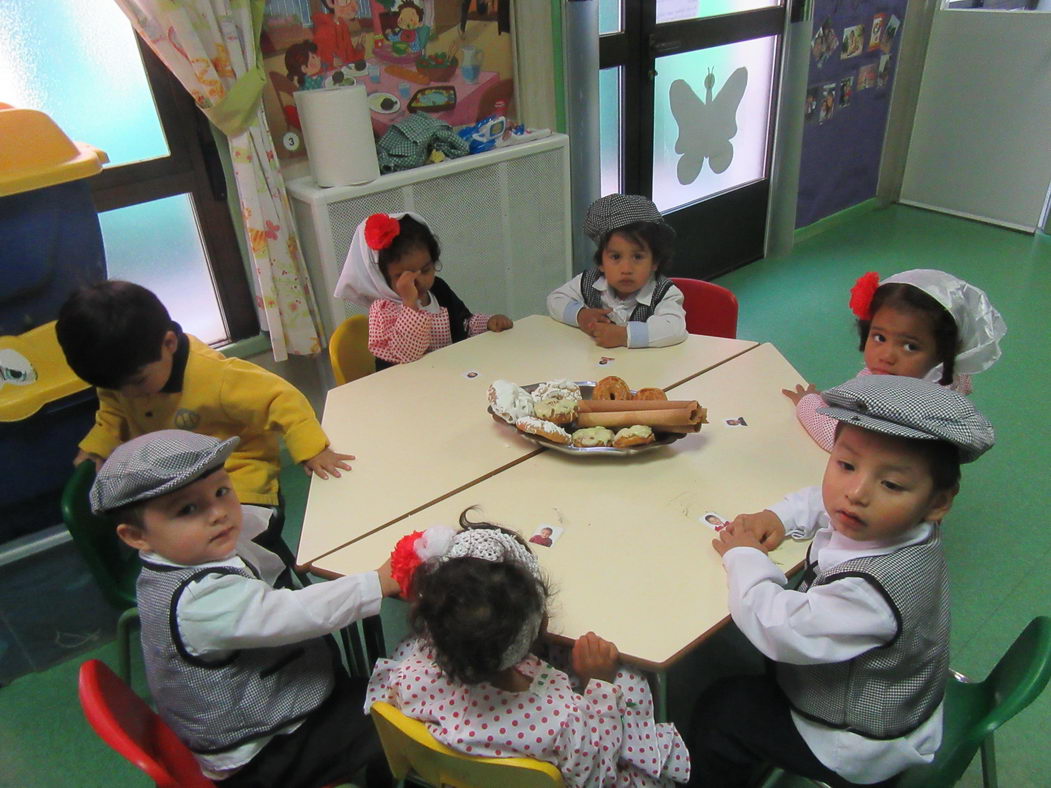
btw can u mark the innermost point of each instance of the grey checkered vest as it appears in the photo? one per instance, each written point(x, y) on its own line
point(889, 691)
point(641, 312)
point(215, 706)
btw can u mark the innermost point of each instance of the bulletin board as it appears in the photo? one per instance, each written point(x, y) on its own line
point(408, 53)
point(853, 58)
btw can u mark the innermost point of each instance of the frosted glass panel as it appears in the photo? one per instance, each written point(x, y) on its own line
point(609, 94)
point(674, 10)
point(609, 16)
point(710, 120)
point(158, 245)
point(77, 61)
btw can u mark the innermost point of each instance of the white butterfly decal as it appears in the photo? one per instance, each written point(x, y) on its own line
point(706, 127)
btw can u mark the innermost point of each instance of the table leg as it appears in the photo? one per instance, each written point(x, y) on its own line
point(660, 696)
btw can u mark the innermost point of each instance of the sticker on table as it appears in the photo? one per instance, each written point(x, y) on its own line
point(715, 521)
point(546, 535)
point(736, 422)
point(471, 374)
point(606, 361)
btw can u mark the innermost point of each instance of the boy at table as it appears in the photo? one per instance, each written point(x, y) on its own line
point(860, 650)
point(238, 663)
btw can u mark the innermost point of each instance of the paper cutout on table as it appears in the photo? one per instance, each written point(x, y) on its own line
point(606, 361)
point(471, 374)
point(736, 422)
point(715, 521)
point(706, 127)
point(546, 535)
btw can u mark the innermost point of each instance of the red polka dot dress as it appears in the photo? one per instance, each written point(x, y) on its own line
point(602, 737)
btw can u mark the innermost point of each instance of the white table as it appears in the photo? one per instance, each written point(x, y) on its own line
point(420, 431)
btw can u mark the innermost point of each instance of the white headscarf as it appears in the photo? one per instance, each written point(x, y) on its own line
point(979, 326)
point(361, 281)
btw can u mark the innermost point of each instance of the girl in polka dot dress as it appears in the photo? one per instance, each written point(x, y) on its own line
point(478, 603)
point(391, 270)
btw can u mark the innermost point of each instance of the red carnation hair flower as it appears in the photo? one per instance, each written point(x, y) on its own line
point(381, 230)
point(404, 559)
point(861, 295)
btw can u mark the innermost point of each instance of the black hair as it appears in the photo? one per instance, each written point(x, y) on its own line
point(659, 238)
point(110, 330)
point(412, 234)
point(471, 609)
point(942, 458)
point(905, 297)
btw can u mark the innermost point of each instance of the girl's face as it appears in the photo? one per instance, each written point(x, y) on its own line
point(313, 65)
point(408, 19)
point(418, 261)
point(627, 265)
point(901, 342)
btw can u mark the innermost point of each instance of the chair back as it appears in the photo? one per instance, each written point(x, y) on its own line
point(710, 308)
point(974, 710)
point(348, 350)
point(114, 567)
point(124, 721)
point(409, 747)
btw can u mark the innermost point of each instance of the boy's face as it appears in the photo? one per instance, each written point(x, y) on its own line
point(626, 265)
point(150, 378)
point(877, 486)
point(194, 525)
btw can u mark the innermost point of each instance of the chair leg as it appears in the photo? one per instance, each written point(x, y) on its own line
point(128, 619)
point(988, 762)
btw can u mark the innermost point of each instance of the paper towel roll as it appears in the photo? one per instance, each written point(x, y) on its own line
point(337, 129)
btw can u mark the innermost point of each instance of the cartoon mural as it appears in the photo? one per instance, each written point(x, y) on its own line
point(405, 52)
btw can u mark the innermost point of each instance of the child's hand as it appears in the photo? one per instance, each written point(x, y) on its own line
point(499, 323)
point(86, 455)
point(728, 539)
point(799, 392)
point(765, 527)
point(588, 318)
point(405, 286)
point(388, 585)
point(327, 462)
point(594, 658)
point(610, 335)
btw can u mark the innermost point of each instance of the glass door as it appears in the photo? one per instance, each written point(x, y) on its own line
point(687, 95)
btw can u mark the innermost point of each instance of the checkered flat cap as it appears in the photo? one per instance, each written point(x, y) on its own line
point(619, 210)
point(155, 464)
point(911, 408)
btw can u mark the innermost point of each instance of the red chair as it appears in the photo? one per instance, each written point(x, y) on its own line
point(710, 308)
point(124, 721)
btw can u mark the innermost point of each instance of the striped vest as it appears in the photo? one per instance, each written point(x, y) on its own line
point(641, 313)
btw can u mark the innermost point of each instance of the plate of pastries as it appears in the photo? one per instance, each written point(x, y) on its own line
point(603, 418)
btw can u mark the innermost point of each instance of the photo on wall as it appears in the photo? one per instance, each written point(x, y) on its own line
point(883, 76)
point(890, 32)
point(824, 43)
point(812, 104)
point(867, 76)
point(853, 41)
point(828, 102)
point(846, 91)
point(879, 22)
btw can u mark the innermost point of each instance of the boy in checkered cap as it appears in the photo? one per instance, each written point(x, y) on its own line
point(625, 300)
point(860, 650)
point(237, 664)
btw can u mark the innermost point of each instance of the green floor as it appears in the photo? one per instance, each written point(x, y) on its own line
point(997, 538)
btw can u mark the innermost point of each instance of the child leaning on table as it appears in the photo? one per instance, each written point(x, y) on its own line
point(922, 324)
point(625, 300)
point(478, 603)
point(237, 664)
point(861, 649)
point(391, 270)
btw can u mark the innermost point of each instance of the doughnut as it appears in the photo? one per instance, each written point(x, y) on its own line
point(557, 411)
point(650, 394)
point(545, 429)
point(510, 402)
point(612, 388)
point(633, 436)
point(557, 389)
point(593, 436)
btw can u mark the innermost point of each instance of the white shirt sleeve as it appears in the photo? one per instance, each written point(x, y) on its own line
point(666, 326)
point(565, 302)
point(801, 512)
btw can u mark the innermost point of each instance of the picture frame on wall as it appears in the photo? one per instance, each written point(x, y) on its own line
point(879, 24)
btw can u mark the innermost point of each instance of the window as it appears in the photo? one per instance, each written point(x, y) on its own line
point(162, 198)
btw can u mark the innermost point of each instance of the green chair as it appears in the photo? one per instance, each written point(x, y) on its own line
point(114, 567)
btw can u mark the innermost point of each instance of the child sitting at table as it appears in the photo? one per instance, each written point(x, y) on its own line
point(391, 270)
point(861, 649)
point(237, 664)
point(478, 604)
point(624, 301)
point(921, 323)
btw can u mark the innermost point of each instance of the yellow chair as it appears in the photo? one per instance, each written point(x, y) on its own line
point(411, 750)
point(348, 350)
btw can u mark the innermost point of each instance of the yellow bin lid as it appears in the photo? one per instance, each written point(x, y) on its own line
point(33, 372)
point(34, 153)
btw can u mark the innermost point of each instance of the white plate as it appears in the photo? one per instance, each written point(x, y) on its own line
point(376, 103)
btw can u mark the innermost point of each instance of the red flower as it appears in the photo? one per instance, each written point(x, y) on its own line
point(404, 559)
point(861, 295)
point(380, 231)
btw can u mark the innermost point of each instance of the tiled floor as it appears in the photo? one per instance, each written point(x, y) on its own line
point(997, 537)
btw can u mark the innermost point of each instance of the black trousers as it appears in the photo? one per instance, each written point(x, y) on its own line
point(332, 745)
point(744, 723)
